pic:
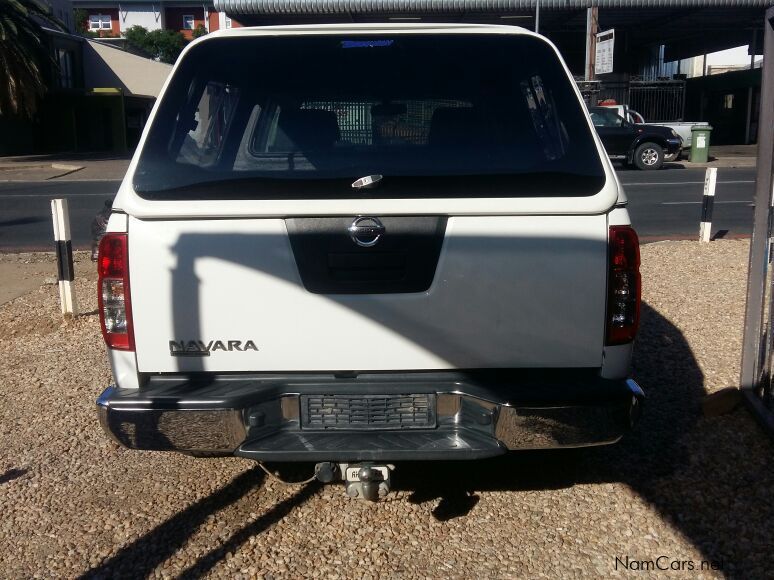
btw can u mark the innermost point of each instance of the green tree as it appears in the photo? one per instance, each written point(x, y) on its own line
point(200, 30)
point(166, 44)
point(137, 36)
point(23, 55)
point(163, 45)
point(81, 19)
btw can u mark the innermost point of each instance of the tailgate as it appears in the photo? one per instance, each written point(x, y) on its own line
point(271, 294)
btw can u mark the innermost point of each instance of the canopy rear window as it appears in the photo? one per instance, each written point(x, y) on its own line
point(307, 116)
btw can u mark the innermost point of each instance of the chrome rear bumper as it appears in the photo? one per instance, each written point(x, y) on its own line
point(261, 417)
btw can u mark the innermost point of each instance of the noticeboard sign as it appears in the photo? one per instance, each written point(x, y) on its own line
point(603, 61)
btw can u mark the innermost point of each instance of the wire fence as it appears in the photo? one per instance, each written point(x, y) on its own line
point(366, 122)
point(655, 100)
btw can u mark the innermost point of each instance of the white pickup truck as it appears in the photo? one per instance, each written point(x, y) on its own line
point(352, 245)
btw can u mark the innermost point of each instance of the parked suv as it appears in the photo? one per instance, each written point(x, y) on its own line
point(643, 146)
point(358, 244)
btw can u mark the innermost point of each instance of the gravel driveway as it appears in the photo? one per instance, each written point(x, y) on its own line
point(682, 486)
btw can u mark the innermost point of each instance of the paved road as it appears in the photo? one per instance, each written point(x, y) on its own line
point(25, 211)
point(666, 204)
point(663, 204)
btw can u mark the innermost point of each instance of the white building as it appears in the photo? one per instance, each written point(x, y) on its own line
point(112, 18)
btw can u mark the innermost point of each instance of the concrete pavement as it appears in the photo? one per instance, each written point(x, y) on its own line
point(724, 156)
point(64, 167)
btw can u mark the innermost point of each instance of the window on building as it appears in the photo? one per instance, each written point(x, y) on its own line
point(99, 22)
point(188, 22)
point(228, 22)
point(65, 62)
point(728, 101)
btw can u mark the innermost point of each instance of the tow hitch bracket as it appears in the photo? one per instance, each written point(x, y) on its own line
point(361, 480)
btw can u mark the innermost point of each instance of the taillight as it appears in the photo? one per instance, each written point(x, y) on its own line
point(115, 304)
point(623, 285)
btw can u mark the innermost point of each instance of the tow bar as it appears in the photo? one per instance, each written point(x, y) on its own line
point(361, 480)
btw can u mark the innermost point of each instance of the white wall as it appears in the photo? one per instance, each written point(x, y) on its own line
point(107, 66)
point(732, 57)
point(146, 15)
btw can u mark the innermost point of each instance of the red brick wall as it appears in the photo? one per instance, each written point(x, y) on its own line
point(173, 19)
point(213, 17)
point(215, 22)
point(115, 27)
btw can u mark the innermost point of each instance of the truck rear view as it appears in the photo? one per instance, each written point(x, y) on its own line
point(357, 245)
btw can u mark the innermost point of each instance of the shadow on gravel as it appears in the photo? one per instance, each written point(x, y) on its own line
point(698, 473)
point(141, 557)
point(12, 474)
point(206, 562)
point(454, 501)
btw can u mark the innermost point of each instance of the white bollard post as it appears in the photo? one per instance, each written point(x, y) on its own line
point(710, 178)
point(64, 256)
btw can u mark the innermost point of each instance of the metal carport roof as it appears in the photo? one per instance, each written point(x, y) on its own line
point(313, 7)
point(686, 27)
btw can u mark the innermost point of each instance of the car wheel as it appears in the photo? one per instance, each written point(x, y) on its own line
point(649, 156)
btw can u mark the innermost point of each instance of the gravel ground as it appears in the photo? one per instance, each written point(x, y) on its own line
point(681, 486)
point(25, 272)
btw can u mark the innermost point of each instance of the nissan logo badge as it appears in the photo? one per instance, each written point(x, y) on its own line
point(366, 231)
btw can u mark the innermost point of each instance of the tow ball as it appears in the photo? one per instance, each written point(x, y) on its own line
point(361, 480)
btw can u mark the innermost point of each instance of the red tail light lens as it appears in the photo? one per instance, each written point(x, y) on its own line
point(115, 304)
point(623, 285)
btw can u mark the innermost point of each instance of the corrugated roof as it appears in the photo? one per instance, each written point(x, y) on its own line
point(322, 7)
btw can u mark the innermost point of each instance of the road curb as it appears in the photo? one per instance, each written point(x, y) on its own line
point(722, 162)
point(23, 166)
point(67, 169)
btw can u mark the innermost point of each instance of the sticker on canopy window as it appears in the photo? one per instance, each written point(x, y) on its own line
point(542, 110)
point(365, 43)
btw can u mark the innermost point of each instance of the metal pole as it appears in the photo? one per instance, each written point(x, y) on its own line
point(64, 256)
point(588, 45)
point(759, 244)
point(708, 202)
point(537, 17)
point(748, 124)
point(592, 24)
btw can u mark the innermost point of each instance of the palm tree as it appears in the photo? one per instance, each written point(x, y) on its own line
point(22, 55)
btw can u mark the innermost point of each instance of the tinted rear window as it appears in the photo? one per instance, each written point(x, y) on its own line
point(305, 117)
